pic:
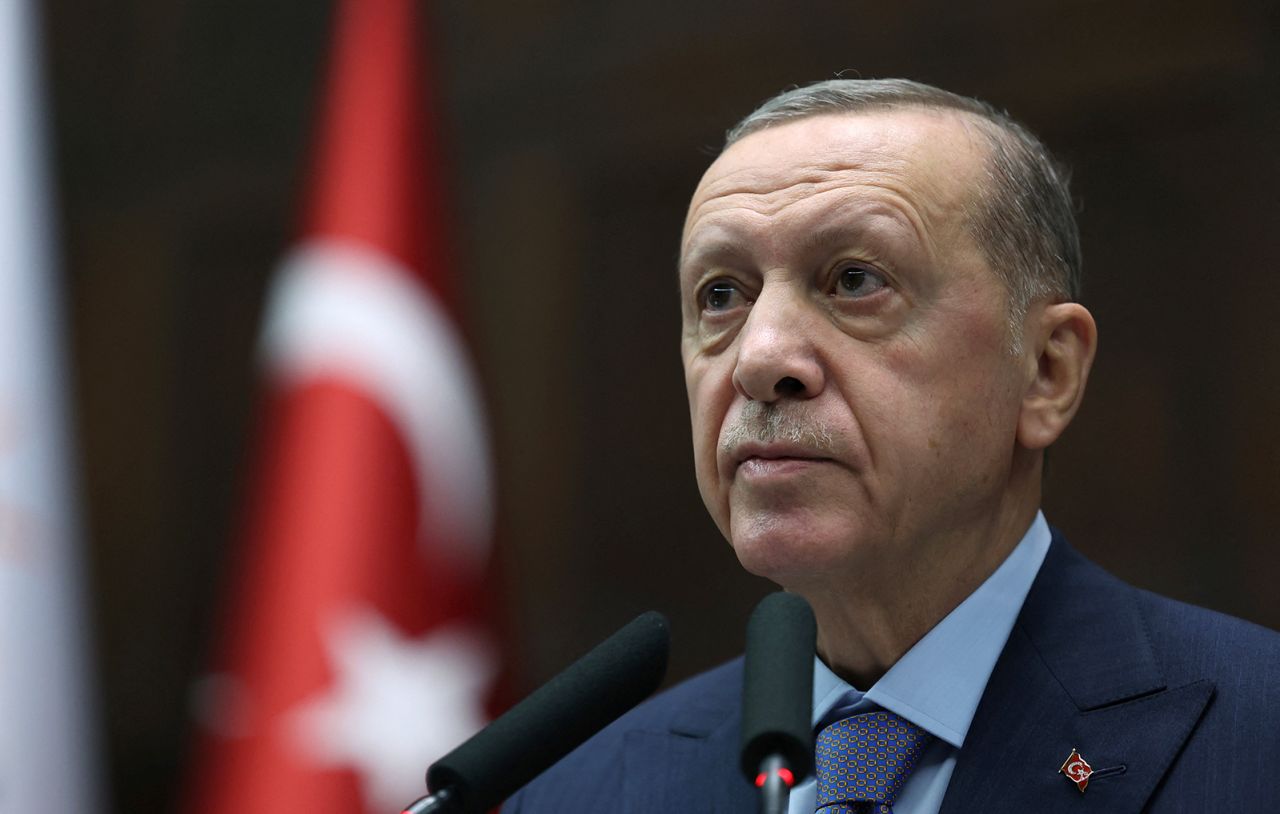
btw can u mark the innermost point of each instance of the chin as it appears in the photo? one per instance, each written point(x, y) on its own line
point(791, 555)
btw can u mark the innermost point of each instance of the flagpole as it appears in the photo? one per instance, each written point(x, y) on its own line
point(47, 759)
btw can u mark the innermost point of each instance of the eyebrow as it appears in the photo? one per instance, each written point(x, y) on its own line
point(721, 247)
point(718, 248)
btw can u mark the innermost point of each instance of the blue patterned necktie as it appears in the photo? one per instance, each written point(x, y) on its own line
point(863, 761)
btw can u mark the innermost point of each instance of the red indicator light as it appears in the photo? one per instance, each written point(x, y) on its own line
point(784, 774)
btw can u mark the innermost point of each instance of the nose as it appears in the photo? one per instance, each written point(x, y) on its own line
point(777, 357)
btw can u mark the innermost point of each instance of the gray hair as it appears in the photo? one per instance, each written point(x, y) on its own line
point(1023, 218)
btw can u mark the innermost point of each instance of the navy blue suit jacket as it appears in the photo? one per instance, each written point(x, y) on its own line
point(1176, 708)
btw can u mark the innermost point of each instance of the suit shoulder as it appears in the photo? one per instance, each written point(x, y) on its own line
point(1198, 641)
point(589, 776)
point(1187, 641)
point(695, 705)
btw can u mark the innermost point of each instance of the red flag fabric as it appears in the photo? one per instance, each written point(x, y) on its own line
point(356, 648)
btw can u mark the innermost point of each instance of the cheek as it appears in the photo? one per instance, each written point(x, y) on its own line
point(704, 453)
point(955, 390)
point(709, 402)
point(968, 423)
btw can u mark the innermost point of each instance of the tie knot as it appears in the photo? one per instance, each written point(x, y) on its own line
point(865, 759)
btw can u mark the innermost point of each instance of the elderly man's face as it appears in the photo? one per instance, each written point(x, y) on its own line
point(845, 344)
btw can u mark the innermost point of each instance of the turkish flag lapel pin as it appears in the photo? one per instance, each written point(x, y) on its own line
point(1077, 770)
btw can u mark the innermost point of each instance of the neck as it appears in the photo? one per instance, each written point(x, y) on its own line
point(867, 621)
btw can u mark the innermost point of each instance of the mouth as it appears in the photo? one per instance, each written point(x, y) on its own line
point(774, 459)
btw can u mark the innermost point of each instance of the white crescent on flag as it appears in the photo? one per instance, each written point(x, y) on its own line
point(356, 650)
point(345, 311)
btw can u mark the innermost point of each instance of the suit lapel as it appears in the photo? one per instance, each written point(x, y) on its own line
point(1077, 673)
point(692, 765)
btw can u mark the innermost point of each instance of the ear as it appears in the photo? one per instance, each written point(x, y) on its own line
point(1062, 337)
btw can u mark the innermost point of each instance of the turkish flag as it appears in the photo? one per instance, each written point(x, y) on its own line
point(356, 650)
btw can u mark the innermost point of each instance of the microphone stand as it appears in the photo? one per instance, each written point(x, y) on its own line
point(443, 801)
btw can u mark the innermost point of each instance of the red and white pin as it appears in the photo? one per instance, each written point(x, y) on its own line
point(1077, 770)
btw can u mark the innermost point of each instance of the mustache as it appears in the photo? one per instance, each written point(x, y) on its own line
point(766, 423)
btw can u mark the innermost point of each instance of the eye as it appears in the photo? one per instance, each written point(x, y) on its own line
point(722, 295)
point(857, 282)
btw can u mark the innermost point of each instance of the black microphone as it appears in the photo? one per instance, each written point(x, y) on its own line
point(777, 697)
point(558, 716)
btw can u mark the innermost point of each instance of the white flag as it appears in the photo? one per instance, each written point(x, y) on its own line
point(46, 760)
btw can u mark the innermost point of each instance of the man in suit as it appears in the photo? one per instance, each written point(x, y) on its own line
point(881, 338)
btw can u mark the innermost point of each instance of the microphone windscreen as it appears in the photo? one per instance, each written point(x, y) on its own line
point(777, 691)
point(558, 716)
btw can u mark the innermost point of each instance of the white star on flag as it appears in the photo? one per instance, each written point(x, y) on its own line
point(354, 658)
point(396, 704)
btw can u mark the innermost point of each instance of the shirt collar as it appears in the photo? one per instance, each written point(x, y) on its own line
point(938, 682)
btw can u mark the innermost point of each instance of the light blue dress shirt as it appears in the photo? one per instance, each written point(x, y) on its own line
point(937, 683)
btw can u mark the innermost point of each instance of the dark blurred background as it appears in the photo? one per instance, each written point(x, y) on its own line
point(575, 132)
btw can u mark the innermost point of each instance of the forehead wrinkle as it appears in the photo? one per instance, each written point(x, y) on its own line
point(840, 217)
point(759, 198)
point(763, 180)
point(930, 186)
point(782, 178)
